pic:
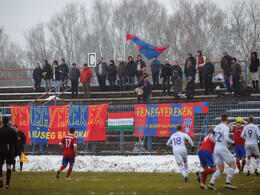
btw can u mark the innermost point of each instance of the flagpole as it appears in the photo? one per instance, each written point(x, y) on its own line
point(33, 148)
point(86, 149)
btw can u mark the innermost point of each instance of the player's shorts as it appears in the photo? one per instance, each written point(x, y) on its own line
point(6, 157)
point(223, 155)
point(206, 158)
point(180, 155)
point(252, 149)
point(65, 161)
point(239, 151)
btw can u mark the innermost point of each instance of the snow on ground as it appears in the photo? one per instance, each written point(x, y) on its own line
point(151, 164)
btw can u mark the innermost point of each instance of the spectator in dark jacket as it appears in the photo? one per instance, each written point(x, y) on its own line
point(21, 141)
point(146, 86)
point(155, 69)
point(47, 75)
point(74, 78)
point(101, 72)
point(176, 67)
point(37, 77)
point(56, 74)
point(254, 69)
point(226, 67)
point(121, 71)
point(191, 58)
point(190, 70)
point(112, 75)
point(236, 73)
point(208, 70)
point(139, 65)
point(177, 84)
point(166, 73)
point(190, 88)
point(130, 73)
point(64, 72)
point(85, 78)
point(200, 58)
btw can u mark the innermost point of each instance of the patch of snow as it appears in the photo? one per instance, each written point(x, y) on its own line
point(51, 97)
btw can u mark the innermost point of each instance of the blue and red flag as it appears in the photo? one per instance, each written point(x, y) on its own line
point(149, 51)
point(201, 107)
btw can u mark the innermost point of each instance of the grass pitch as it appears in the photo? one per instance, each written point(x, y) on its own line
point(123, 183)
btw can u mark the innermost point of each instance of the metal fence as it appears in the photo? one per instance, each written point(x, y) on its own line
point(125, 142)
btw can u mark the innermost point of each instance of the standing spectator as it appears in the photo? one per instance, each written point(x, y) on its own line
point(47, 75)
point(191, 58)
point(101, 72)
point(200, 62)
point(121, 70)
point(254, 70)
point(208, 70)
point(21, 141)
point(130, 72)
point(146, 86)
point(85, 78)
point(8, 149)
point(190, 70)
point(56, 75)
point(236, 73)
point(176, 67)
point(112, 75)
point(177, 84)
point(64, 72)
point(74, 78)
point(37, 77)
point(155, 69)
point(190, 88)
point(226, 67)
point(165, 75)
point(139, 66)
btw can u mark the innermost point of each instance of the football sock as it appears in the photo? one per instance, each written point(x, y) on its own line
point(69, 171)
point(205, 173)
point(186, 166)
point(1, 171)
point(248, 165)
point(243, 164)
point(238, 164)
point(182, 170)
point(215, 176)
point(21, 166)
point(14, 164)
point(62, 167)
point(8, 176)
point(257, 163)
point(230, 174)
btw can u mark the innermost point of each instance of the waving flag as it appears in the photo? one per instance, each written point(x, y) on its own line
point(149, 51)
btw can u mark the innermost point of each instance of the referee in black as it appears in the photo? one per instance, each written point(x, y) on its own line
point(21, 141)
point(8, 149)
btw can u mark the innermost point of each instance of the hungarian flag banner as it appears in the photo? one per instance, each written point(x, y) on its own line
point(49, 124)
point(162, 119)
point(120, 121)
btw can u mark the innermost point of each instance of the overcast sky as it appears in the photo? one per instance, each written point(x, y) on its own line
point(18, 16)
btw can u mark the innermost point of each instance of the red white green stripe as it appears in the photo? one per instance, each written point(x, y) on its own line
point(121, 121)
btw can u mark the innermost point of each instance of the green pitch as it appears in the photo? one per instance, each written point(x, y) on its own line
point(122, 183)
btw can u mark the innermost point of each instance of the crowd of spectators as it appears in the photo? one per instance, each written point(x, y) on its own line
point(198, 69)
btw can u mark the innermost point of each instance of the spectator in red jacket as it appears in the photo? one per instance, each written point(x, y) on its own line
point(85, 78)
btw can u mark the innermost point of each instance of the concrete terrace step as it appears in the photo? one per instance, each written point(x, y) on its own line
point(234, 118)
point(244, 110)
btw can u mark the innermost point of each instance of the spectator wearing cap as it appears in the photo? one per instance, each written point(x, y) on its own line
point(190, 70)
point(56, 74)
point(85, 79)
point(226, 62)
point(146, 86)
point(200, 58)
point(74, 78)
point(236, 73)
point(166, 73)
point(190, 88)
point(155, 69)
point(121, 71)
point(111, 77)
point(177, 84)
point(176, 67)
point(130, 72)
point(64, 71)
point(208, 70)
